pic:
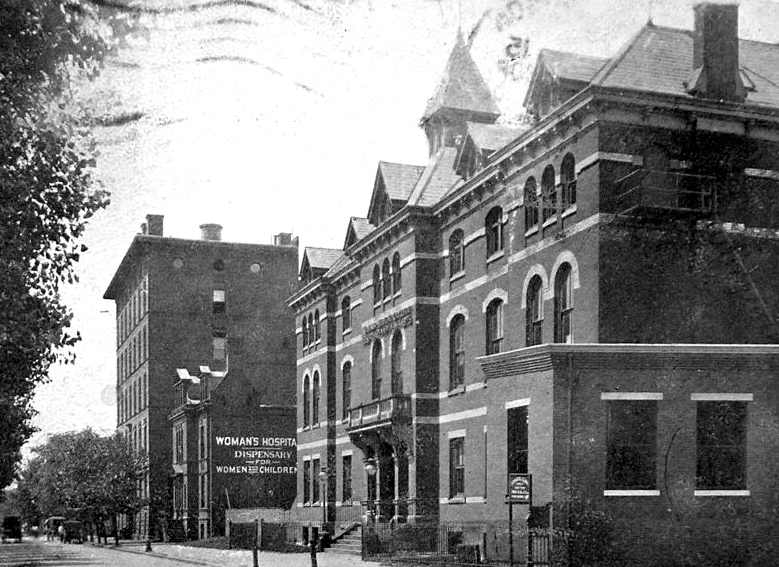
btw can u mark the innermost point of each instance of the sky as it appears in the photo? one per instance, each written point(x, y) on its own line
point(271, 117)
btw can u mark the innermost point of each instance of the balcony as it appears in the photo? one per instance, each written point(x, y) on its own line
point(379, 413)
point(665, 194)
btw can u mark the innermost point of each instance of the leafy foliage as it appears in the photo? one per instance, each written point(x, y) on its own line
point(46, 195)
point(82, 475)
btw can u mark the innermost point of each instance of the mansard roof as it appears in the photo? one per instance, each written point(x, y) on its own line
point(462, 87)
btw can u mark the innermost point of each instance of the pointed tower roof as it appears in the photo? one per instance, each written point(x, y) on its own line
point(462, 87)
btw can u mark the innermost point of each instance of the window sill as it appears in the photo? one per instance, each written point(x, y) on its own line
point(569, 211)
point(550, 221)
point(456, 500)
point(456, 391)
point(723, 492)
point(496, 256)
point(318, 342)
point(346, 332)
point(532, 231)
point(631, 493)
point(386, 300)
point(397, 294)
point(456, 276)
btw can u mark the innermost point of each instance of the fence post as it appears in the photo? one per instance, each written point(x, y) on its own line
point(312, 545)
point(255, 559)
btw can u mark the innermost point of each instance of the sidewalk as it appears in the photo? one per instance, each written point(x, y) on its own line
point(239, 558)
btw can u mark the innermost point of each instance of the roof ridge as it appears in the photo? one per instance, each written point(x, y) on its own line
point(613, 62)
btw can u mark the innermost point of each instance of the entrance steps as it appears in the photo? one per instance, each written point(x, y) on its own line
point(349, 543)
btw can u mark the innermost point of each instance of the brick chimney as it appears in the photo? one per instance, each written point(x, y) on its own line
point(715, 53)
point(211, 231)
point(285, 239)
point(154, 225)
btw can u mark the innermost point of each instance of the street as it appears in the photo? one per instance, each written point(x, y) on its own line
point(40, 553)
point(35, 553)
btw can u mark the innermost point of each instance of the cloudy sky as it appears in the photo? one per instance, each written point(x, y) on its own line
point(271, 116)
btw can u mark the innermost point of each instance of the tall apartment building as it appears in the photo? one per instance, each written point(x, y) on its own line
point(590, 300)
point(183, 303)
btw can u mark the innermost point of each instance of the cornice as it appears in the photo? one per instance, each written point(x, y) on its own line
point(634, 356)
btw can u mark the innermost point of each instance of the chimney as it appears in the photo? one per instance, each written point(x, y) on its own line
point(144, 230)
point(211, 231)
point(715, 53)
point(284, 239)
point(154, 225)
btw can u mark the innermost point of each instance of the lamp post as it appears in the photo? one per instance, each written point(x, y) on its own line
point(370, 469)
point(323, 479)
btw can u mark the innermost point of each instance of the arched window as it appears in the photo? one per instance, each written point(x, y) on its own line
point(548, 193)
point(397, 278)
point(456, 252)
point(493, 227)
point(563, 305)
point(534, 315)
point(306, 401)
point(376, 370)
point(397, 368)
point(304, 328)
point(376, 284)
point(311, 329)
point(315, 401)
point(568, 181)
point(531, 204)
point(346, 313)
point(317, 326)
point(346, 391)
point(494, 326)
point(457, 352)
point(385, 279)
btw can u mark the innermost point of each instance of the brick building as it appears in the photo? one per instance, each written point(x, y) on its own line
point(233, 447)
point(588, 299)
point(184, 303)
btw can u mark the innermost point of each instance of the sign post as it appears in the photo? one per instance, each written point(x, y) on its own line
point(520, 491)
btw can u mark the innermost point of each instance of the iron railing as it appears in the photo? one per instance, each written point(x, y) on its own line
point(397, 406)
point(682, 192)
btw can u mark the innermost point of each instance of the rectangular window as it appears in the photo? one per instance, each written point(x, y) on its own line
point(346, 315)
point(220, 348)
point(456, 467)
point(306, 482)
point(315, 480)
point(202, 441)
point(517, 439)
point(346, 479)
point(178, 455)
point(721, 445)
point(219, 301)
point(631, 460)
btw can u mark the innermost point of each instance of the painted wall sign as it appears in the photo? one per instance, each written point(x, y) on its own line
point(385, 325)
point(254, 455)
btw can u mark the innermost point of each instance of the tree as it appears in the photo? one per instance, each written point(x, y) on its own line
point(46, 195)
point(82, 475)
